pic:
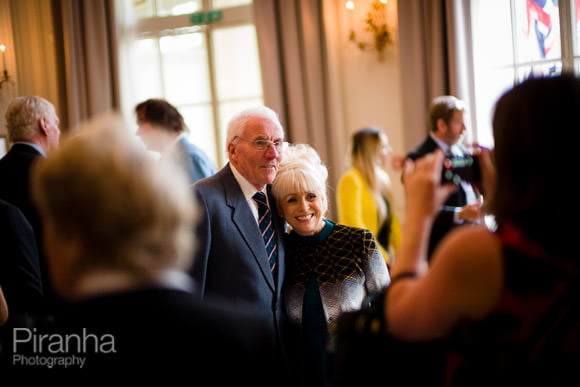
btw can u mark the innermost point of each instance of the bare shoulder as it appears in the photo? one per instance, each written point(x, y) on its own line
point(477, 238)
point(471, 258)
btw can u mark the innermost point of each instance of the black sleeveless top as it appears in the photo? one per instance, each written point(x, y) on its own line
point(532, 338)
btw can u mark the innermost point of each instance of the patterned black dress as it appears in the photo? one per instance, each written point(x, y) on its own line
point(329, 273)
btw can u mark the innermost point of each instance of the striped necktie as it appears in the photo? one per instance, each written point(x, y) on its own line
point(267, 228)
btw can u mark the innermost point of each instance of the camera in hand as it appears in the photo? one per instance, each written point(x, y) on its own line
point(460, 168)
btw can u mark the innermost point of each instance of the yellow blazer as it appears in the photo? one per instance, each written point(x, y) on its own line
point(357, 208)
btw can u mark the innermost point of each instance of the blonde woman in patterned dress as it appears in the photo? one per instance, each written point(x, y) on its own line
point(331, 268)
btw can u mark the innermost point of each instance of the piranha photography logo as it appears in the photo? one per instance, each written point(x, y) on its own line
point(33, 348)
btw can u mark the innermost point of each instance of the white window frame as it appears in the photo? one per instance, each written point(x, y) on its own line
point(570, 60)
point(159, 26)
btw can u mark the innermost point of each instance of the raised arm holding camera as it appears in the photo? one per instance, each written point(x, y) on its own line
point(503, 302)
point(446, 126)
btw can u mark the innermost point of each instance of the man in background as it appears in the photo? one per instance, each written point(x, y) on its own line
point(33, 131)
point(446, 126)
point(162, 129)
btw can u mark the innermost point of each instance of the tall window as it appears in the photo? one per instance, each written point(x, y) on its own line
point(517, 39)
point(200, 55)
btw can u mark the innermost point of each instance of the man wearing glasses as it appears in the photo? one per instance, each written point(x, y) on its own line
point(240, 256)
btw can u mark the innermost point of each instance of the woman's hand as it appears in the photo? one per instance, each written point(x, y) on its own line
point(424, 193)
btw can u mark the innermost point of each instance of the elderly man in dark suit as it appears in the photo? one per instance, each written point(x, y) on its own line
point(446, 126)
point(33, 130)
point(234, 261)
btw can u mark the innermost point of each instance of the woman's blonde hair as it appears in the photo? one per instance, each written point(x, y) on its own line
point(366, 146)
point(301, 170)
point(128, 211)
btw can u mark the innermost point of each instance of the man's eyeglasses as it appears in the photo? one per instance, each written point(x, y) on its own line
point(263, 144)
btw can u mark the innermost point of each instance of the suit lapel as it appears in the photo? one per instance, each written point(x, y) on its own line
point(244, 221)
point(430, 145)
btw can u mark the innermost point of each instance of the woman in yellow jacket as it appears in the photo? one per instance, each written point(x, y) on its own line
point(364, 196)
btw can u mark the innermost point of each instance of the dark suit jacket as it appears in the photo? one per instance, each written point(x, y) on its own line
point(444, 221)
point(164, 332)
point(15, 174)
point(196, 162)
point(231, 260)
point(15, 170)
point(19, 266)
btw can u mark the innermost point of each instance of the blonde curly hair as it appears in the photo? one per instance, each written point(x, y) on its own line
point(301, 170)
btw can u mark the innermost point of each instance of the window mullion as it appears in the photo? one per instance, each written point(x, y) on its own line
point(161, 66)
point(566, 33)
point(514, 38)
point(213, 93)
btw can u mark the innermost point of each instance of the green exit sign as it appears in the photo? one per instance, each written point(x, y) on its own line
point(206, 17)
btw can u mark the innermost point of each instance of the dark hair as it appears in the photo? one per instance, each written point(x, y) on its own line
point(161, 113)
point(532, 124)
point(443, 107)
point(361, 137)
